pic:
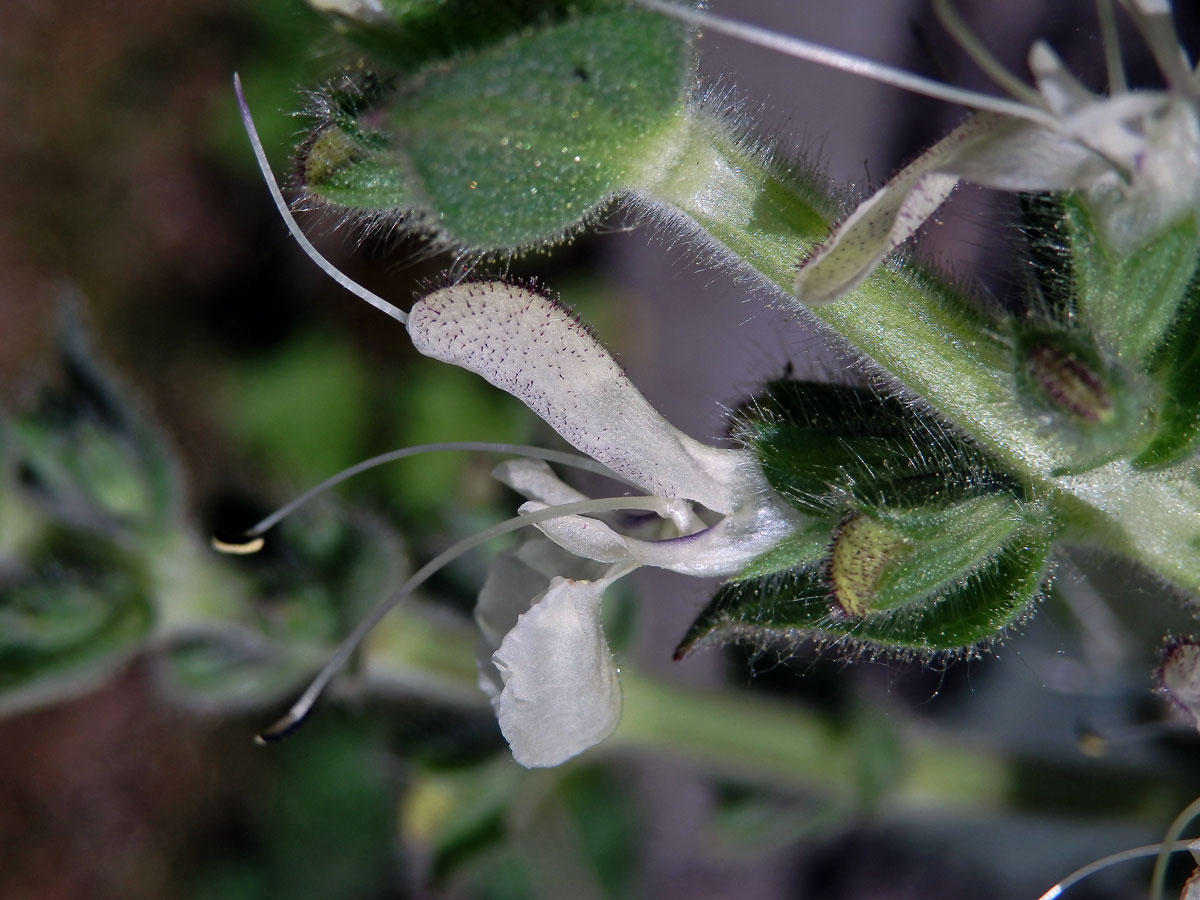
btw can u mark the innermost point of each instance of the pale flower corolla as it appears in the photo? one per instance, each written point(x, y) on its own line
point(1132, 155)
point(544, 660)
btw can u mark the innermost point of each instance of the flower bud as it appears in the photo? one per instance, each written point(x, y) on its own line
point(1097, 407)
point(1069, 384)
point(507, 144)
point(863, 548)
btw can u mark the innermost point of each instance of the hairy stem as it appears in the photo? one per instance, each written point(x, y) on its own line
point(761, 740)
point(932, 340)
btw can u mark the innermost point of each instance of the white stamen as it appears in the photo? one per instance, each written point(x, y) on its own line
point(1153, 20)
point(848, 62)
point(1112, 860)
point(1111, 40)
point(253, 542)
point(959, 30)
point(293, 226)
point(301, 708)
point(1159, 879)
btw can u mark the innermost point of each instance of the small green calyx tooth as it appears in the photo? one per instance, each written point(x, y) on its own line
point(331, 152)
point(1176, 368)
point(1093, 404)
point(863, 549)
point(1069, 384)
point(920, 541)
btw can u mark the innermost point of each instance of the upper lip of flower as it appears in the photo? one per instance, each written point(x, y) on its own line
point(534, 349)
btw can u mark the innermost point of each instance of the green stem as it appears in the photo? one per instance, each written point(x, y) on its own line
point(1153, 517)
point(757, 741)
point(854, 761)
point(778, 744)
point(934, 341)
point(785, 746)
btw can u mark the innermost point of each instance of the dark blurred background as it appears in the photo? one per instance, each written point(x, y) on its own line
point(125, 180)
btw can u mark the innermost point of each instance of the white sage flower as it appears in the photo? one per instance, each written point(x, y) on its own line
point(545, 662)
point(704, 511)
point(1133, 155)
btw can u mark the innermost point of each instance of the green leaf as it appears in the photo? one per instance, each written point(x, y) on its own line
point(88, 454)
point(80, 608)
point(516, 144)
point(1177, 369)
point(1130, 299)
point(826, 446)
point(410, 34)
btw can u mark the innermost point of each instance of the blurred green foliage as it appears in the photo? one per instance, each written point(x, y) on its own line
point(322, 826)
point(303, 411)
